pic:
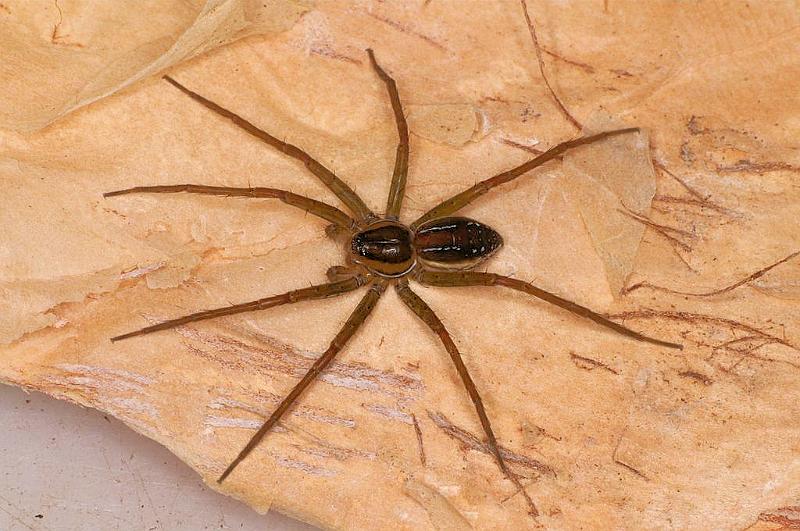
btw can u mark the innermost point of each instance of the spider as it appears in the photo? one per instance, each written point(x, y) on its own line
point(438, 249)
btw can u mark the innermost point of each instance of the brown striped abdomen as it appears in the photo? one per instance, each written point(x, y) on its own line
point(455, 242)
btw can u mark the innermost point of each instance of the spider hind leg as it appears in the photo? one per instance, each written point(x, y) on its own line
point(429, 317)
point(455, 203)
point(475, 278)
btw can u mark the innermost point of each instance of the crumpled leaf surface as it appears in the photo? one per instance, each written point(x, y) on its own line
point(605, 432)
point(61, 55)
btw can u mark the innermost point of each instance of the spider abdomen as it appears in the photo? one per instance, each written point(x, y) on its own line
point(455, 242)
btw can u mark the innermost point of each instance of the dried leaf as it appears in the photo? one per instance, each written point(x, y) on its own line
point(611, 183)
point(453, 124)
point(782, 282)
point(75, 52)
point(634, 435)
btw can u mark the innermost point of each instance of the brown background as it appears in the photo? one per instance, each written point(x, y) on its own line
point(603, 431)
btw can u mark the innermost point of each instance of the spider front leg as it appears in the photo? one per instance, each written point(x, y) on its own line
point(338, 272)
point(353, 323)
point(345, 194)
point(427, 315)
point(398, 187)
point(475, 278)
point(320, 291)
point(312, 206)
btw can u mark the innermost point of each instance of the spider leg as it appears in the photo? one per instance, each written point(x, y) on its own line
point(345, 194)
point(353, 323)
point(312, 206)
point(397, 190)
point(460, 200)
point(427, 315)
point(339, 272)
point(475, 278)
point(320, 291)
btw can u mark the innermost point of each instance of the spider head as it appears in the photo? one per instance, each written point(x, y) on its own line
point(384, 248)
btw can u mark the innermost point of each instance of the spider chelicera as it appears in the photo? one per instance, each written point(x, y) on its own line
point(438, 249)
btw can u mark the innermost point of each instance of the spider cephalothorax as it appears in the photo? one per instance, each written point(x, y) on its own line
point(438, 249)
point(384, 248)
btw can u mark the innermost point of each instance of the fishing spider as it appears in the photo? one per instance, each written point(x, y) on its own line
point(438, 249)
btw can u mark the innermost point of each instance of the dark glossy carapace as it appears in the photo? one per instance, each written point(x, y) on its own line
point(390, 249)
point(384, 248)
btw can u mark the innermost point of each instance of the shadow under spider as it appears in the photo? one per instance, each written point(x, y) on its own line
point(438, 249)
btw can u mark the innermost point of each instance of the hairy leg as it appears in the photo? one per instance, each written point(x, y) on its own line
point(339, 272)
point(475, 278)
point(312, 206)
point(427, 315)
point(320, 291)
point(345, 194)
point(460, 200)
point(397, 190)
point(353, 323)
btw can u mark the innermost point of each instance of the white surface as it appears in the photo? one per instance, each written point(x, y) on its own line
point(63, 467)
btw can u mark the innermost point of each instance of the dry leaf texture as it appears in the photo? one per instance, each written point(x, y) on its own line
point(687, 231)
